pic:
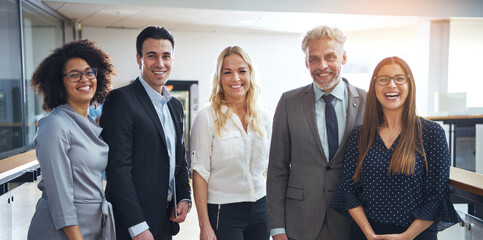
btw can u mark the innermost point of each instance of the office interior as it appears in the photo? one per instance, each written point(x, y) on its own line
point(441, 41)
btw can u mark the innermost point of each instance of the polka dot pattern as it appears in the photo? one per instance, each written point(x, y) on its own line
point(398, 199)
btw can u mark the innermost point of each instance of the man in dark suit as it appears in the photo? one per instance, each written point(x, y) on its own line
point(310, 128)
point(147, 173)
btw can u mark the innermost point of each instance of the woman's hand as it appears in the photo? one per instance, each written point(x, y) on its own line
point(393, 237)
point(73, 232)
point(207, 233)
point(416, 228)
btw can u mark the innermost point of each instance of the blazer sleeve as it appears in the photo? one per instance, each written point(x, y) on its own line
point(278, 167)
point(51, 146)
point(183, 189)
point(117, 122)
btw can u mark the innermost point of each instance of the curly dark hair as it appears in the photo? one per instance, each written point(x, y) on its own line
point(47, 78)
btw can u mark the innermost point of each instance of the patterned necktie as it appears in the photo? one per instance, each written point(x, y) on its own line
point(331, 125)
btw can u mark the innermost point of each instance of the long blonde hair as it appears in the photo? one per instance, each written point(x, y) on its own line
point(404, 159)
point(217, 98)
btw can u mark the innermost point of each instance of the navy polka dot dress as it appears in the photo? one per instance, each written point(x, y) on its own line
point(399, 199)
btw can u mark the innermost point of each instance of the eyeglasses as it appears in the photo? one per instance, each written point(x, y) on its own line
point(399, 79)
point(75, 76)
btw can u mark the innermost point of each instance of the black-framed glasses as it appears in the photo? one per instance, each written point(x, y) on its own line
point(75, 76)
point(399, 79)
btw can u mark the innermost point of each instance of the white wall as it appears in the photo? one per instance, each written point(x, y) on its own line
point(279, 62)
point(365, 49)
point(465, 55)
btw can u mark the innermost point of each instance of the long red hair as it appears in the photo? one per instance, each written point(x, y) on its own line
point(404, 159)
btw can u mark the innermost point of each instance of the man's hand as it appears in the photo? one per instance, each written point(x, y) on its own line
point(280, 237)
point(182, 211)
point(146, 235)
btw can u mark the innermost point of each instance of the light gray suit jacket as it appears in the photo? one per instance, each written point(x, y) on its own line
point(301, 182)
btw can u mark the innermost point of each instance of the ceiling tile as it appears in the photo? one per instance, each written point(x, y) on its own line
point(80, 11)
point(54, 5)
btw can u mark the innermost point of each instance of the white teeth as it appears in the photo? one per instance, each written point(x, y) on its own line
point(85, 88)
point(158, 72)
point(236, 86)
point(324, 74)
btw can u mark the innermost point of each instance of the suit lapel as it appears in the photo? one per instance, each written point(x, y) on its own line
point(146, 102)
point(175, 112)
point(309, 108)
point(352, 110)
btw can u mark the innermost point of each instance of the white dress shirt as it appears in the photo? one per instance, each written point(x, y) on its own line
point(234, 165)
point(341, 99)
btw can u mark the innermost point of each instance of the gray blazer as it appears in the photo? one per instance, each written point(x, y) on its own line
point(72, 157)
point(301, 182)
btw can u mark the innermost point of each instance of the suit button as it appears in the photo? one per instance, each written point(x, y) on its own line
point(327, 168)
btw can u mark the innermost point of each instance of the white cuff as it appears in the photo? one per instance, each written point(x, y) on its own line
point(138, 229)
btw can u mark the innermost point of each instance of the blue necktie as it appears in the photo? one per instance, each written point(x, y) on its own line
point(331, 125)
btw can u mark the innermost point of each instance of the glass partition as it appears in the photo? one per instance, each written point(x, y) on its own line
point(42, 33)
point(10, 78)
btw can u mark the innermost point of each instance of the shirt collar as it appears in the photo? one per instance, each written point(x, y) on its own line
point(155, 96)
point(337, 92)
point(224, 109)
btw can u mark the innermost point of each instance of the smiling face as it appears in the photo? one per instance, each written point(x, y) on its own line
point(81, 92)
point(324, 59)
point(235, 78)
point(392, 96)
point(155, 63)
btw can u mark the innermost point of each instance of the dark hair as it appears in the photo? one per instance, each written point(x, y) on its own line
point(152, 32)
point(48, 77)
point(410, 140)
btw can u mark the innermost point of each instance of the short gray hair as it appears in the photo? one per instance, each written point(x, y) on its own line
point(321, 32)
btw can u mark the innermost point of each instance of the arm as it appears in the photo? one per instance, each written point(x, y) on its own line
point(73, 232)
point(417, 227)
point(347, 196)
point(360, 218)
point(201, 147)
point(117, 120)
point(278, 170)
point(52, 143)
point(183, 189)
point(436, 205)
point(201, 195)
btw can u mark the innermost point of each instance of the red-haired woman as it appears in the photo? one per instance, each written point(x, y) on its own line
point(394, 183)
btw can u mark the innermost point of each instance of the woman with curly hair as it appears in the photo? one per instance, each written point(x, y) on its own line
point(229, 153)
point(71, 153)
point(395, 178)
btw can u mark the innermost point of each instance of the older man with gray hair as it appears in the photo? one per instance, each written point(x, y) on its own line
point(310, 128)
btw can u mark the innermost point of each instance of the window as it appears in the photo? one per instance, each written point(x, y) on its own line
point(41, 34)
point(11, 123)
point(23, 48)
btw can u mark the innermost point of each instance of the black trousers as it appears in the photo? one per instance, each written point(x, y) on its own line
point(381, 228)
point(240, 221)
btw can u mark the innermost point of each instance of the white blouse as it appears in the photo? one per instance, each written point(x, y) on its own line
point(234, 165)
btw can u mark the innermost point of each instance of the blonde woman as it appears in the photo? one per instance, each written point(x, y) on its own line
point(229, 154)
